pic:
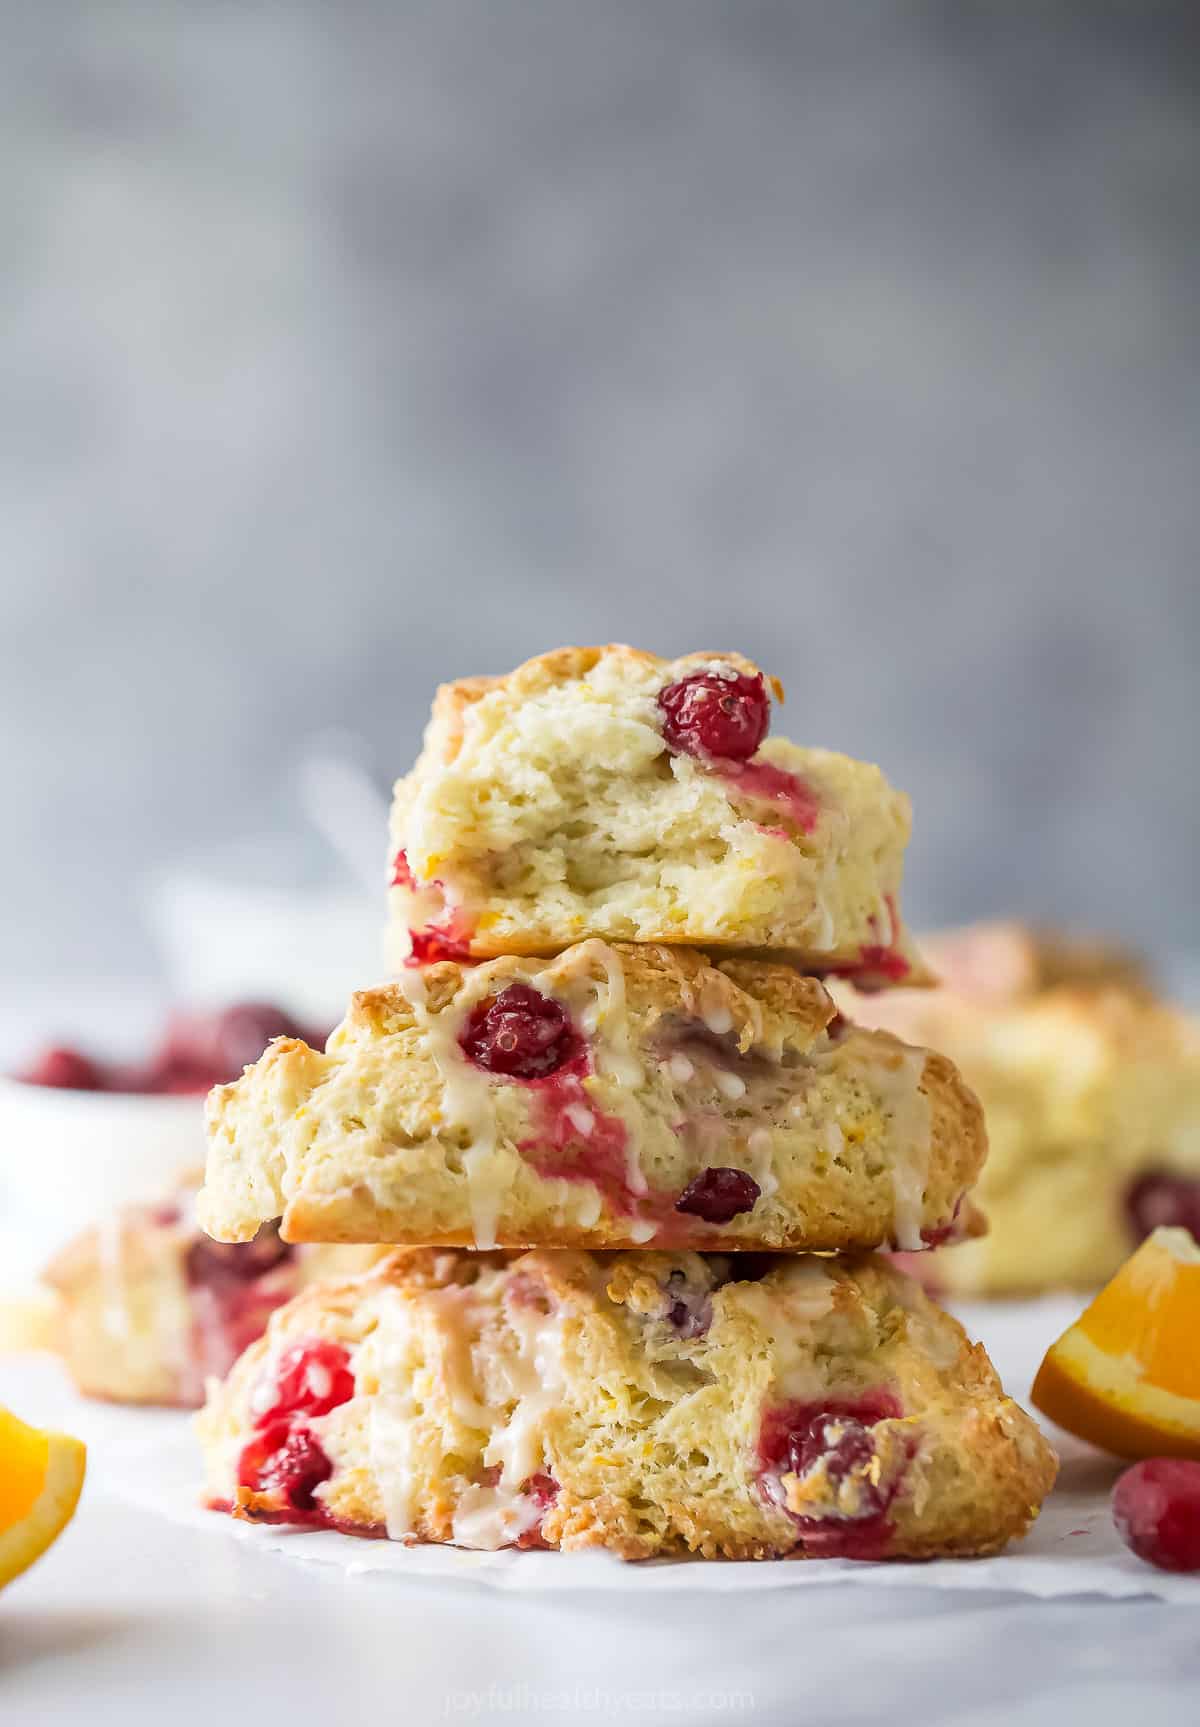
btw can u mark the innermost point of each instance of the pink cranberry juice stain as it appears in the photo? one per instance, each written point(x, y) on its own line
point(767, 783)
point(448, 937)
point(561, 1148)
point(875, 960)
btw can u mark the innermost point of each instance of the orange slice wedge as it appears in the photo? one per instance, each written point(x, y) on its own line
point(1126, 1375)
point(41, 1476)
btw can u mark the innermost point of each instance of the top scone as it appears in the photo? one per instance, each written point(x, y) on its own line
point(607, 792)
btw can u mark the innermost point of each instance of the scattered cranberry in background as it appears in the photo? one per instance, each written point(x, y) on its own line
point(710, 715)
point(223, 1044)
point(65, 1069)
point(310, 1379)
point(1159, 1199)
point(212, 1262)
point(520, 1033)
point(1156, 1508)
point(198, 1052)
point(719, 1195)
point(287, 1461)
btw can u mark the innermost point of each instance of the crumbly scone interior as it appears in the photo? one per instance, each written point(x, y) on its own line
point(548, 802)
point(629, 1400)
point(690, 1065)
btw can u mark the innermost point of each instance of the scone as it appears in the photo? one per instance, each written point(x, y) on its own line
point(606, 792)
point(1091, 1092)
point(147, 1307)
point(609, 1097)
point(649, 1403)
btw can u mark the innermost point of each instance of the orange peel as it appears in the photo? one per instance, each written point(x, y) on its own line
point(1126, 1375)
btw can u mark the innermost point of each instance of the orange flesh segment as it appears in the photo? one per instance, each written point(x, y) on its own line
point(24, 1456)
point(1126, 1375)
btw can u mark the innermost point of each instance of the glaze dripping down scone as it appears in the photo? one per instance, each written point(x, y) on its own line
point(648, 1403)
point(147, 1307)
point(609, 1097)
point(1091, 1090)
point(607, 792)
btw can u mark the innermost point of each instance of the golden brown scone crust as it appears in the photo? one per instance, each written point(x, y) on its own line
point(546, 807)
point(641, 1402)
point(1088, 1086)
point(853, 1139)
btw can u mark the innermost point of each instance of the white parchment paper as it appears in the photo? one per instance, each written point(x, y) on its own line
point(149, 1457)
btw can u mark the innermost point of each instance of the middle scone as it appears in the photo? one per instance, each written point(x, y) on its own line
point(613, 1096)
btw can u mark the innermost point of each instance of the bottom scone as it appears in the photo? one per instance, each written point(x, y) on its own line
point(652, 1403)
point(146, 1307)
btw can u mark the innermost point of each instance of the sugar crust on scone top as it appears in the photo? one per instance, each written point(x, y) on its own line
point(649, 1403)
point(546, 807)
point(852, 1138)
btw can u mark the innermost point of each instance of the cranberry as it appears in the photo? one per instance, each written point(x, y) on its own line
point(430, 945)
point(66, 1070)
point(852, 1449)
point(541, 1488)
point(311, 1378)
point(287, 1461)
point(709, 714)
point(236, 1262)
point(1156, 1508)
point(797, 1436)
point(1159, 1198)
point(689, 1308)
point(718, 1195)
point(520, 1033)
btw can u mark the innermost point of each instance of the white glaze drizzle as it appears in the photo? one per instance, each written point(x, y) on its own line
point(603, 1016)
point(531, 1378)
point(391, 1352)
point(897, 1078)
point(467, 1102)
point(761, 1147)
point(789, 1314)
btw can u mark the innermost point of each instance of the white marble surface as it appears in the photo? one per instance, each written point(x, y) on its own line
point(132, 1620)
point(145, 1599)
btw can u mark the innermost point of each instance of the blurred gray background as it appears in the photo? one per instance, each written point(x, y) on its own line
point(346, 348)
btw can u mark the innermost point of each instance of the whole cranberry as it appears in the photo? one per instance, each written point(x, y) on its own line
point(714, 715)
point(201, 1050)
point(520, 1033)
point(66, 1069)
point(1156, 1508)
point(851, 1449)
point(1159, 1198)
point(311, 1378)
point(719, 1195)
point(689, 1305)
point(241, 1033)
point(287, 1461)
